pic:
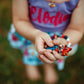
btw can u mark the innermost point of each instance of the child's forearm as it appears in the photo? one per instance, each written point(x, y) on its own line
point(26, 29)
point(75, 29)
point(21, 20)
point(74, 35)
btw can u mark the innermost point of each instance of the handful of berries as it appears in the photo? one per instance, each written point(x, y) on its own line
point(61, 49)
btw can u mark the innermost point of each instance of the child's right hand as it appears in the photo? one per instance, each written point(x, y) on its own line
point(40, 39)
point(45, 55)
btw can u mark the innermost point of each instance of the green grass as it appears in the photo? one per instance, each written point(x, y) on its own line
point(12, 70)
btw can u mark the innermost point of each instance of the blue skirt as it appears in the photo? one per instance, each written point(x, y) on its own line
point(28, 49)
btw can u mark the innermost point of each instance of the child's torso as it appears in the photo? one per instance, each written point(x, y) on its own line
point(49, 19)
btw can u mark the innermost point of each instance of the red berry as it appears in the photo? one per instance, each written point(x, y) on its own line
point(56, 50)
point(63, 36)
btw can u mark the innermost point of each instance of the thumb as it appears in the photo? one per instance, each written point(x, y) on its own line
point(56, 42)
point(48, 41)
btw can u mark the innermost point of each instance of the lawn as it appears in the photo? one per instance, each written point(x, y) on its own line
point(12, 70)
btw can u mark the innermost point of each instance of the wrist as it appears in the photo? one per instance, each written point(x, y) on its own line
point(61, 37)
point(36, 33)
point(68, 40)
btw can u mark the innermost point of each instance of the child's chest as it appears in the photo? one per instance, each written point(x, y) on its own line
point(66, 7)
point(43, 16)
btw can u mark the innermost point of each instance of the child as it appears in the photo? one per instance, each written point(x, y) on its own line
point(36, 21)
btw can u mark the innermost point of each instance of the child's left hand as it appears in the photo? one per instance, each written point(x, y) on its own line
point(58, 41)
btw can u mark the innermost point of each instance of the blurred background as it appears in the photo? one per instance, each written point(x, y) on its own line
point(12, 70)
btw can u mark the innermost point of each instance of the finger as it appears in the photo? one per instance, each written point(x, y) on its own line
point(45, 60)
point(39, 58)
point(48, 40)
point(49, 50)
point(60, 41)
point(50, 56)
point(58, 56)
point(39, 45)
point(56, 42)
point(63, 41)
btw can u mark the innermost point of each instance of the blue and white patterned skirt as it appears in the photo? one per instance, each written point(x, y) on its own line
point(28, 49)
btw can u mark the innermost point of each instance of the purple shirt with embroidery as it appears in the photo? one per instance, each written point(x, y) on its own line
point(49, 19)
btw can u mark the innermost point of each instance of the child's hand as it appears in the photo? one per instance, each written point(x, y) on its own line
point(40, 39)
point(44, 55)
point(47, 56)
point(60, 41)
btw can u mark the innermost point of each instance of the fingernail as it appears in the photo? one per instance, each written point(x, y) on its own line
point(54, 52)
point(45, 52)
point(54, 42)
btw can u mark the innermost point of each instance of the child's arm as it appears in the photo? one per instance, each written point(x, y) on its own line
point(21, 20)
point(76, 27)
point(24, 27)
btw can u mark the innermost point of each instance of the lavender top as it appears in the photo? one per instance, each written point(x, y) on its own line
point(49, 19)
